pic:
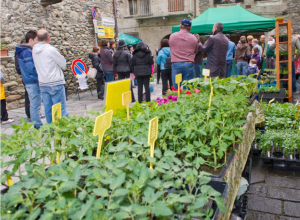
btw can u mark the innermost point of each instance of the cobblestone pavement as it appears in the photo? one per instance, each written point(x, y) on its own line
point(274, 193)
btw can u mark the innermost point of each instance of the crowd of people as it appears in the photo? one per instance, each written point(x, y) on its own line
point(40, 65)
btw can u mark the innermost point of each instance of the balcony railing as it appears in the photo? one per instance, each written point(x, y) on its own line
point(176, 5)
point(227, 1)
point(145, 8)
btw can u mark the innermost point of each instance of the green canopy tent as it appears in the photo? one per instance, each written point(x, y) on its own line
point(130, 40)
point(235, 19)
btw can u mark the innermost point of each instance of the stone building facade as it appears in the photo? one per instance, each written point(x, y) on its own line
point(70, 26)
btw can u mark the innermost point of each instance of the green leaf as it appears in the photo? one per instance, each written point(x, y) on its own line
point(238, 133)
point(44, 193)
point(185, 199)
point(121, 215)
point(141, 210)
point(34, 214)
point(100, 192)
point(221, 204)
point(120, 192)
point(214, 142)
point(67, 186)
point(82, 195)
point(118, 181)
point(200, 202)
point(85, 208)
point(160, 209)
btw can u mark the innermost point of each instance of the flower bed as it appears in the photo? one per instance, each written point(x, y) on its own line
point(119, 184)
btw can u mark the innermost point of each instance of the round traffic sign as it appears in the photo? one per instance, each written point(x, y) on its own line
point(94, 13)
point(79, 67)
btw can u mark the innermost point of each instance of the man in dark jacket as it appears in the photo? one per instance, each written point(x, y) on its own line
point(107, 61)
point(17, 66)
point(198, 59)
point(30, 77)
point(141, 62)
point(216, 48)
point(122, 61)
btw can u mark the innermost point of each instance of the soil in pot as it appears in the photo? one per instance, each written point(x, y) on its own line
point(284, 76)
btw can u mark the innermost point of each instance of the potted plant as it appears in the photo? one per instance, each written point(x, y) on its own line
point(283, 55)
point(284, 74)
point(283, 37)
point(279, 19)
point(4, 51)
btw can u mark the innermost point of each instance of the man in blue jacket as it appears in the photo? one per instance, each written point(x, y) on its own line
point(30, 77)
point(229, 57)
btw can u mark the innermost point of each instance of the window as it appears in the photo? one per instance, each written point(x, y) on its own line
point(176, 5)
point(132, 7)
point(145, 7)
point(227, 1)
point(49, 2)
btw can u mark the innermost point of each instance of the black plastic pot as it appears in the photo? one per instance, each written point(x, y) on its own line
point(284, 76)
point(283, 38)
point(283, 57)
point(221, 174)
point(220, 186)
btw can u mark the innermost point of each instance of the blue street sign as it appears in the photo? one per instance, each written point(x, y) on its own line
point(94, 13)
point(79, 67)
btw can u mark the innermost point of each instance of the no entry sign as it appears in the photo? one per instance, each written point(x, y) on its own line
point(79, 67)
point(94, 13)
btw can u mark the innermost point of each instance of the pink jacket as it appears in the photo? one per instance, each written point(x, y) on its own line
point(184, 46)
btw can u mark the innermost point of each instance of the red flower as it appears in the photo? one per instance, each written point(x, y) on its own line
point(172, 88)
point(188, 93)
point(197, 90)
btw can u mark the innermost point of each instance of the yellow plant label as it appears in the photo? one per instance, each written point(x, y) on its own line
point(56, 113)
point(102, 123)
point(9, 180)
point(178, 80)
point(126, 100)
point(152, 136)
point(113, 96)
point(210, 98)
point(205, 73)
point(272, 100)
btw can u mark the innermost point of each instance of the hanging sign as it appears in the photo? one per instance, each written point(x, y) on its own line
point(56, 113)
point(94, 13)
point(178, 80)
point(126, 100)
point(106, 32)
point(108, 22)
point(79, 67)
point(152, 136)
point(102, 123)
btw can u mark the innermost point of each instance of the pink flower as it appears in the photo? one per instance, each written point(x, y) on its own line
point(166, 100)
point(197, 90)
point(174, 98)
point(170, 97)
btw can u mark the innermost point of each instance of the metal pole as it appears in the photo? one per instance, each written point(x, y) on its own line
point(96, 40)
point(116, 20)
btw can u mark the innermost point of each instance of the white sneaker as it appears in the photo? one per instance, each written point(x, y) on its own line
point(8, 121)
point(296, 93)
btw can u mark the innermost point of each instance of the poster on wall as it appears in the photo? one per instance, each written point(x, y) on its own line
point(108, 22)
point(106, 32)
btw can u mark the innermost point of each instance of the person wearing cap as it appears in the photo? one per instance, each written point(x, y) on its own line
point(183, 46)
point(122, 62)
point(229, 56)
point(216, 49)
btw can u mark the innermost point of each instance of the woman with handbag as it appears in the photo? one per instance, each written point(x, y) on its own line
point(122, 63)
point(141, 62)
point(96, 63)
point(107, 61)
point(166, 72)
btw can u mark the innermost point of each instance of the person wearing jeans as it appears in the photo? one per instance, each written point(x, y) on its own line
point(242, 55)
point(107, 61)
point(186, 69)
point(161, 60)
point(52, 95)
point(30, 77)
point(48, 62)
point(34, 93)
point(241, 68)
point(229, 56)
point(184, 47)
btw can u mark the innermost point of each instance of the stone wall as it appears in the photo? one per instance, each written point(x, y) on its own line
point(70, 26)
point(293, 13)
